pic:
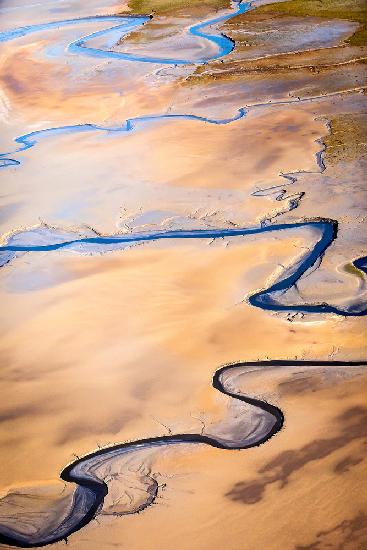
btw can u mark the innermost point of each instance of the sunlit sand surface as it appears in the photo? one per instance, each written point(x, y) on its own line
point(168, 314)
point(108, 349)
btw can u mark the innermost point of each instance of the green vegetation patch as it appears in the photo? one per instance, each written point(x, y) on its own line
point(172, 7)
point(350, 268)
point(347, 139)
point(352, 10)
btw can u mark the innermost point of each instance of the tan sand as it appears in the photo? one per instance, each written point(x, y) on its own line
point(101, 349)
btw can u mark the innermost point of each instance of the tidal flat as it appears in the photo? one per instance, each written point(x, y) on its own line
point(183, 275)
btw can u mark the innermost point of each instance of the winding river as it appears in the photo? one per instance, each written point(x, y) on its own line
point(44, 239)
point(87, 472)
point(126, 24)
point(91, 489)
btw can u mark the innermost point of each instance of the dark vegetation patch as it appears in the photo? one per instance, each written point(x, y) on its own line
point(351, 10)
point(255, 28)
point(347, 139)
point(172, 7)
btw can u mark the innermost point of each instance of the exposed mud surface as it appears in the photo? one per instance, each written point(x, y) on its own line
point(183, 187)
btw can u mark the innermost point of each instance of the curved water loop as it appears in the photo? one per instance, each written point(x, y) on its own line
point(128, 23)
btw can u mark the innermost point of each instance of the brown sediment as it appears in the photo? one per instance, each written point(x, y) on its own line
point(260, 50)
point(352, 10)
point(314, 62)
point(164, 7)
point(99, 334)
point(347, 139)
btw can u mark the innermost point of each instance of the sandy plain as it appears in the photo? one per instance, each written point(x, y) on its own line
point(97, 349)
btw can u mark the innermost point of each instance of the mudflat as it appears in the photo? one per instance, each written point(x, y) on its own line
point(183, 275)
